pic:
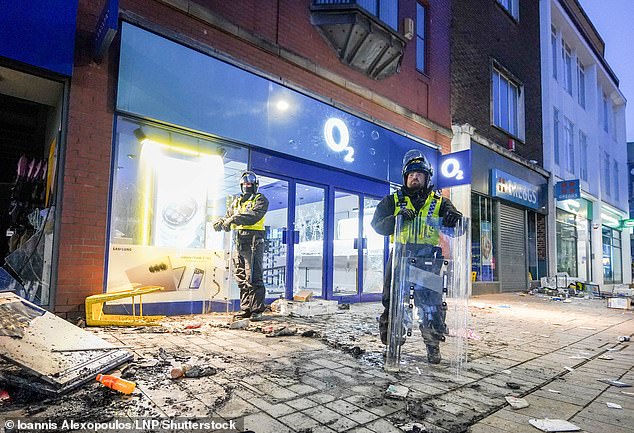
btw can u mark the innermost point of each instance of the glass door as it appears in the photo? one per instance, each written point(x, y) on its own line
point(374, 251)
point(308, 238)
point(276, 246)
point(346, 245)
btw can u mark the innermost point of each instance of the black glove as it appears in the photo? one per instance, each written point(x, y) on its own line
point(226, 224)
point(218, 225)
point(408, 214)
point(451, 218)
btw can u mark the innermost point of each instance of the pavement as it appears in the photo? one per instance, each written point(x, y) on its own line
point(328, 376)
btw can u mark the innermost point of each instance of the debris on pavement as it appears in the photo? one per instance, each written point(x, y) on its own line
point(116, 383)
point(240, 324)
point(553, 425)
point(620, 303)
point(193, 325)
point(279, 331)
point(398, 392)
point(614, 382)
point(5, 398)
point(516, 403)
point(613, 405)
point(627, 393)
point(570, 369)
point(554, 391)
point(513, 385)
point(624, 338)
point(303, 295)
point(58, 355)
point(606, 358)
point(309, 333)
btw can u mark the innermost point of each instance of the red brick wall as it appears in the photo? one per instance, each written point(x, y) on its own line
point(88, 156)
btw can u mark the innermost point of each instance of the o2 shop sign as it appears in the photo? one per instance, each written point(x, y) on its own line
point(337, 138)
point(454, 169)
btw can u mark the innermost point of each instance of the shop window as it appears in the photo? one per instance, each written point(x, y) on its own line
point(168, 189)
point(612, 264)
point(566, 231)
point(537, 251)
point(483, 238)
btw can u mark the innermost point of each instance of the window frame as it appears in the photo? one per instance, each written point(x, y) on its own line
point(557, 135)
point(566, 56)
point(511, 7)
point(515, 112)
point(569, 141)
point(606, 174)
point(377, 8)
point(583, 165)
point(553, 47)
point(581, 84)
point(421, 40)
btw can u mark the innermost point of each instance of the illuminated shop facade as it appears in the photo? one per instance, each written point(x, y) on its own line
point(187, 124)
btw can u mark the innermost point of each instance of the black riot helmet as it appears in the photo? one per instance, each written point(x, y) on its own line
point(249, 177)
point(414, 160)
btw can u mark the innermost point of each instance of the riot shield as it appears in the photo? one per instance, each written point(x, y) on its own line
point(429, 292)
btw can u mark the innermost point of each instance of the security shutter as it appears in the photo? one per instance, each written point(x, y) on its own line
point(512, 252)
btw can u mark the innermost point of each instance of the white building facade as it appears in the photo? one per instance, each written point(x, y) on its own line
point(585, 141)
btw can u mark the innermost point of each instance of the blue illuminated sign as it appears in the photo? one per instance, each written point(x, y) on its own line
point(567, 189)
point(511, 188)
point(39, 33)
point(162, 80)
point(454, 169)
point(107, 26)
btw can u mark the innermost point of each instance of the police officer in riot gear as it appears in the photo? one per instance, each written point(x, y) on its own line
point(416, 200)
point(245, 217)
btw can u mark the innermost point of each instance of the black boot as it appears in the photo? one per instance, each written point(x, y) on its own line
point(244, 314)
point(433, 354)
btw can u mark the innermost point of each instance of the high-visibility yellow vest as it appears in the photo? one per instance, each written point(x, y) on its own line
point(418, 231)
point(242, 207)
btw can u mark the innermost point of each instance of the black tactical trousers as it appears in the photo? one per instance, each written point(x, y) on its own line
point(248, 271)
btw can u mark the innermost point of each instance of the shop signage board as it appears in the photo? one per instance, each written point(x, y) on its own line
point(627, 223)
point(516, 190)
point(40, 33)
point(567, 189)
point(454, 169)
point(107, 26)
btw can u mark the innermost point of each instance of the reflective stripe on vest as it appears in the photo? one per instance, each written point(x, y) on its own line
point(416, 231)
point(247, 205)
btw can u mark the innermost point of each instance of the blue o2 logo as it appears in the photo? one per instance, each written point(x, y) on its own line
point(338, 138)
point(450, 168)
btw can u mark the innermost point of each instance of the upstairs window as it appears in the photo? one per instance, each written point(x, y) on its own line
point(512, 7)
point(570, 144)
point(616, 180)
point(605, 117)
point(606, 174)
point(553, 49)
point(385, 10)
point(556, 127)
point(421, 40)
point(581, 84)
point(566, 54)
point(583, 144)
point(506, 103)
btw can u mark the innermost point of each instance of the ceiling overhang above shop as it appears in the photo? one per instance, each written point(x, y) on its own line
point(360, 40)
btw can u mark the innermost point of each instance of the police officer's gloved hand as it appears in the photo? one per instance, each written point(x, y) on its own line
point(226, 224)
point(218, 225)
point(451, 218)
point(408, 214)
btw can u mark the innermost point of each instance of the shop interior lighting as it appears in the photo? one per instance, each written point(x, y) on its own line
point(154, 156)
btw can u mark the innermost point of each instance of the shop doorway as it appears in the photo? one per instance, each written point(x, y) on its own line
point(30, 125)
point(319, 236)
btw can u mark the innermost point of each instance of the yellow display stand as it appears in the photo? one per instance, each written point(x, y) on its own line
point(96, 317)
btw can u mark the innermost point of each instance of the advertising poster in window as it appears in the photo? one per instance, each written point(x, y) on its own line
point(486, 244)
